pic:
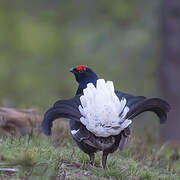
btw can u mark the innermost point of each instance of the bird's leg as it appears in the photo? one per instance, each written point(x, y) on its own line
point(92, 157)
point(104, 159)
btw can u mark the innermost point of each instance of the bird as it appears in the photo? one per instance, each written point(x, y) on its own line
point(100, 116)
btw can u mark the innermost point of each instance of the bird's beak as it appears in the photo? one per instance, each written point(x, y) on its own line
point(71, 70)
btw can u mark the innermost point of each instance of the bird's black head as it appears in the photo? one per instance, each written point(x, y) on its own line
point(84, 75)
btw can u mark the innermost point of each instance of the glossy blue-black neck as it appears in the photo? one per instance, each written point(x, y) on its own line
point(85, 81)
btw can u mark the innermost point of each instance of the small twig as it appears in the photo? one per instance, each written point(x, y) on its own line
point(9, 169)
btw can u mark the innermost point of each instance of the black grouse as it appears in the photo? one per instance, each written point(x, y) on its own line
point(99, 116)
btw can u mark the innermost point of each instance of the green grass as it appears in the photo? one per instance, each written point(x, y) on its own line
point(40, 158)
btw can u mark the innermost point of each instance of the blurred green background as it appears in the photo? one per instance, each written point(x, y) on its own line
point(40, 42)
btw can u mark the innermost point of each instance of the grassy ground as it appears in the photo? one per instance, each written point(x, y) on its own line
point(38, 157)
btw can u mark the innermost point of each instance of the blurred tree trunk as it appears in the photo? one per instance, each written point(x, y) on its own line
point(170, 66)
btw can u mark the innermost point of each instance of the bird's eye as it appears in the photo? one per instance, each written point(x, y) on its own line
point(81, 71)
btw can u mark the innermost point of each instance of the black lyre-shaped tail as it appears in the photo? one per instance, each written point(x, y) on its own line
point(140, 104)
point(156, 105)
point(61, 109)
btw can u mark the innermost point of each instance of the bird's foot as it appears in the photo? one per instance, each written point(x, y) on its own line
point(92, 157)
point(104, 159)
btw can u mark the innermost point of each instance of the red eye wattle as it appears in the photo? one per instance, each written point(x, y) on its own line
point(81, 67)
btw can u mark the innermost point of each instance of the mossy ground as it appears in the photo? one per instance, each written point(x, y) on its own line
point(39, 157)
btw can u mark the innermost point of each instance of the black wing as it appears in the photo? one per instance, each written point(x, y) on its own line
point(140, 104)
point(61, 109)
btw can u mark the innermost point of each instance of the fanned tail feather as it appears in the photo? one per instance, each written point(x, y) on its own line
point(103, 113)
point(61, 109)
point(71, 108)
point(156, 105)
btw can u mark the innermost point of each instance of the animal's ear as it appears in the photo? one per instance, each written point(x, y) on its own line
point(61, 109)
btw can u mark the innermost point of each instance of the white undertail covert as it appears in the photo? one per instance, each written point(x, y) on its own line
point(102, 112)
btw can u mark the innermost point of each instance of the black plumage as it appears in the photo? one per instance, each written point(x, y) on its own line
point(86, 140)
